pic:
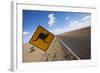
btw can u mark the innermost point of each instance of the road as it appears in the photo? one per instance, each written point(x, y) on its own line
point(79, 42)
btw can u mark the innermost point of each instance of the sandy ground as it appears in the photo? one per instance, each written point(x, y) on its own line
point(55, 52)
point(79, 41)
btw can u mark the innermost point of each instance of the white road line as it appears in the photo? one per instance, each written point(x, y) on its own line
point(69, 49)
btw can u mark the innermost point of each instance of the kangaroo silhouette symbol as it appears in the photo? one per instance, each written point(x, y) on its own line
point(43, 37)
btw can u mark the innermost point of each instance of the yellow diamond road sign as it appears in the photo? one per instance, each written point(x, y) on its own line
point(42, 38)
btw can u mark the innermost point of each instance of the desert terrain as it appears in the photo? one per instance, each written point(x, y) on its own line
point(79, 41)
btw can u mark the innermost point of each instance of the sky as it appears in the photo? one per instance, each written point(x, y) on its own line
point(56, 22)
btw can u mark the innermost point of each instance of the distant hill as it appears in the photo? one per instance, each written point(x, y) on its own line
point(79, 41)
point(79, 32)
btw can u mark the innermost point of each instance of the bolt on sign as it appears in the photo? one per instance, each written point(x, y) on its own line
point(42, 38)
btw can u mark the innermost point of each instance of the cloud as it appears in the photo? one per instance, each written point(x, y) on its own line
point(86, 18)
point(26, 36)
point(26, 33)
point(73, 25)
point(52, 19)
point(67, 18)
point(84, 22)
point(30, 36)
point(57, 31)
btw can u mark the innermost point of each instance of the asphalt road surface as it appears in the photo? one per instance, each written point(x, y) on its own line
point(79, 41)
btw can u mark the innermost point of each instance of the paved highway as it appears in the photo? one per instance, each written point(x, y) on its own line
point(77, 43)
